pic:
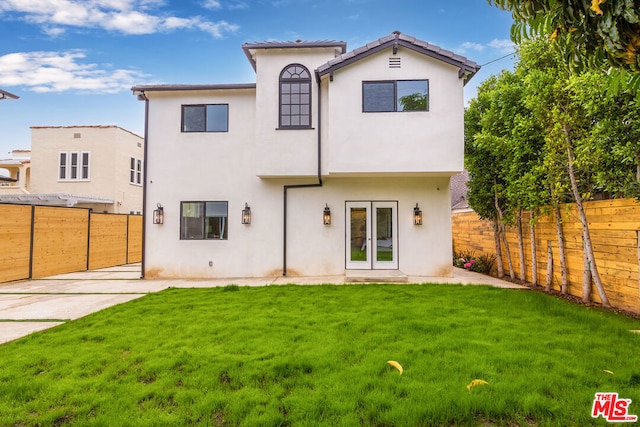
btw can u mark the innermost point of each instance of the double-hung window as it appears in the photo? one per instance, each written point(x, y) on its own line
point(395, 95)
point(295, 97)
point(205, 118)
point(135, 171)
point(203, 220)
point(73, 165)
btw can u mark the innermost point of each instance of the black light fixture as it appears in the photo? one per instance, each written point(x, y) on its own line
point(246, 214)
point(417, 216)
point(158, 215)
point(326, 215)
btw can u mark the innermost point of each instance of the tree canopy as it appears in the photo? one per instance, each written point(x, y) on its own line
point(588, 33)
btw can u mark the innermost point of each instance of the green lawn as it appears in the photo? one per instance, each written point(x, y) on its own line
point(316, 355)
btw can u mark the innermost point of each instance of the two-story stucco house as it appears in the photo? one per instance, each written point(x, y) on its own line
point(97, 167)
point(332, 162)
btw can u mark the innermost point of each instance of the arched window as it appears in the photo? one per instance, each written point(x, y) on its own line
point(295, 97)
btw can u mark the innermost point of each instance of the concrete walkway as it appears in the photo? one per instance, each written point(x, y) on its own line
point(34, 305)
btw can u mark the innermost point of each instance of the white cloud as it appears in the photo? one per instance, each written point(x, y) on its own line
point(129, 17)
point(466, 46)
point(63, 71)
point(504, 46)
point(212, 4)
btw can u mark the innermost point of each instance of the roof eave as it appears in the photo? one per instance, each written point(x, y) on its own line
point(141, 90)
point(250, 48)
point(467, 68)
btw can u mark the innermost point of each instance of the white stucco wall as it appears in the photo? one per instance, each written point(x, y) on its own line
point(407, 142)
point(285, 152)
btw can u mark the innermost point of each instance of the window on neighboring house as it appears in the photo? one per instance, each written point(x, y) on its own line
point(395, 95)
point(135, 171)
point(73, 166)
point(203, 220)
point(295, 97)
point(205, 118)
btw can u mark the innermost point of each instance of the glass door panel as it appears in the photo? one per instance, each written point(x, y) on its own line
point(385, 235)
point(358, 235)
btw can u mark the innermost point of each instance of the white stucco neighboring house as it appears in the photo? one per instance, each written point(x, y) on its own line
point(333, 153)
point(97, 167)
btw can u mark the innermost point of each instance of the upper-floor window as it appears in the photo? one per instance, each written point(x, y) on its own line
point(295, 97)
point(395, 95)
point(73, 165)
point(205, 118)
point(135, 171)
point(203, 220)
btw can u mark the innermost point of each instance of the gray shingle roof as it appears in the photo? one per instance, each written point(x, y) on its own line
point(467, 68)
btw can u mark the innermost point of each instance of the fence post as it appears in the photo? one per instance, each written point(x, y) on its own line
point(33, 216)
point(88, 236)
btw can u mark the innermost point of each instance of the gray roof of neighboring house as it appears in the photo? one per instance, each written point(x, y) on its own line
point(459, 190)
point(467, 68)
point(248, 47)
point(7, 95)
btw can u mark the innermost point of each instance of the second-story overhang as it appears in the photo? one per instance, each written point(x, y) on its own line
point(467, 68)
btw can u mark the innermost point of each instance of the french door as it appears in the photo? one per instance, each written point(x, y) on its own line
point(372, 235)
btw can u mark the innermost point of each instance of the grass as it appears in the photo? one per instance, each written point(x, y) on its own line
point(316, 355)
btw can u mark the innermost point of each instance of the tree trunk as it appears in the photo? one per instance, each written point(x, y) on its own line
point(534, 257)
point(586, 277)
point(496, 238)
point(521, 246)
point(512, 274)
point(563, 259)
point(588, 247)
point(549, 279)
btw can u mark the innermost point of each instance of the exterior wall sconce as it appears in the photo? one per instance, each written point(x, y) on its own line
point(158, 215)
point(417, 215)
point(326, 216)
point(246, 214)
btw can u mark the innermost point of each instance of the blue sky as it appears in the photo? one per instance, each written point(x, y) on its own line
point(73, 62)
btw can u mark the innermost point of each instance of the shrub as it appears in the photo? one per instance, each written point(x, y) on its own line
point(482, 263)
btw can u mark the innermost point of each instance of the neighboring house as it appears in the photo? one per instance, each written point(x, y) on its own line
point(15, 173)
point(319, 168)
point(97, 167)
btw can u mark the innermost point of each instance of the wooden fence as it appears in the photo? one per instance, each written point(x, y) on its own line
point(39, 241)
point(615, 233)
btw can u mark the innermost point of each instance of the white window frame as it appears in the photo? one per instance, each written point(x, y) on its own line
point(70, 171)
point(135, 171)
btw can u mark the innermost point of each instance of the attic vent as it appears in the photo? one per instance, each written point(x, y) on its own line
point(139, 144)
point(77, 135)
point(394, 63)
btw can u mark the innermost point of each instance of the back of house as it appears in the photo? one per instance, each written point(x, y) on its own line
point(331, 161)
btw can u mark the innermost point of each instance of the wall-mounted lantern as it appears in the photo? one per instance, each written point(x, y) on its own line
point(417, 216)
point(246, 214)
point(158, 215)
point(326, 215)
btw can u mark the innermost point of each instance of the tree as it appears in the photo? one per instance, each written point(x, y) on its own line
point(590, 35)
point(566, 127)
